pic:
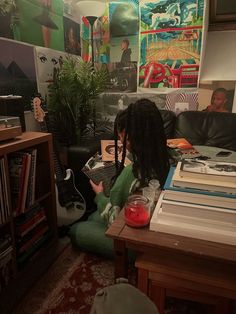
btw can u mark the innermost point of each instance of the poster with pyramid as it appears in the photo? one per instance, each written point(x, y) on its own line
point(17, 70)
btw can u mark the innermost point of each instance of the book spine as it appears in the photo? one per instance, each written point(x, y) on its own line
point(202, 213)
point(32, 177)
point(24, 228)
point(35, 237)
point(200, 199)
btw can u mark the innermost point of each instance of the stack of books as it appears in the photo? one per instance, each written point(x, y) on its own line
point(22, 169)
point(32, 231)
point(198, 201)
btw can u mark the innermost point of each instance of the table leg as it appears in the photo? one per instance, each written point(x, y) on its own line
point(121, 265)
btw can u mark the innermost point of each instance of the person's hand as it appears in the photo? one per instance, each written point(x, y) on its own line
point(97, 188)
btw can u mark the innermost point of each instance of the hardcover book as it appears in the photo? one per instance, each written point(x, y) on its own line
point(203, 184)
point(171, 190)
point(205, 212)
point(208, 169)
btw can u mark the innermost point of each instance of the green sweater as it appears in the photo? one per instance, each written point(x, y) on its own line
point(109, 207)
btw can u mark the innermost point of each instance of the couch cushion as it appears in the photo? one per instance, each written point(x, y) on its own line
point(207, 128)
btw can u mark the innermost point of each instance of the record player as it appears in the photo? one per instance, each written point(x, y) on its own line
point(10, 127)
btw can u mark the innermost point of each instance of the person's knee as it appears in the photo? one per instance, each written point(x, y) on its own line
point(90, 236)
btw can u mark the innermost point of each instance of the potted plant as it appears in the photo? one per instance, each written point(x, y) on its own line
point(8, 15)
point(72, 95)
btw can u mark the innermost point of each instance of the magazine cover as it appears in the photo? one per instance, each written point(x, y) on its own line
point(108, 150)
point(178, 143)
point(179, 147)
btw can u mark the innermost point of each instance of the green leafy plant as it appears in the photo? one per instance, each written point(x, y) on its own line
point(6, 6)
point(72, 95)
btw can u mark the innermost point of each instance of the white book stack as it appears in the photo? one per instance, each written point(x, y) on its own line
point(202, 212)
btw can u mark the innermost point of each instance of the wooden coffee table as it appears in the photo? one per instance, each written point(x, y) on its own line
point(149, 242)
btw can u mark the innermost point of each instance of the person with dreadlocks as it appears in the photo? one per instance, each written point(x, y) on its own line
point(140, 129)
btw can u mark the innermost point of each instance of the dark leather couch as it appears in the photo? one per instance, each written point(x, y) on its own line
point(78, 155)
point(199, 128)
point(216, 129)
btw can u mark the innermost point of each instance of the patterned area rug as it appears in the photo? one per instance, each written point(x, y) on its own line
point(69, 286)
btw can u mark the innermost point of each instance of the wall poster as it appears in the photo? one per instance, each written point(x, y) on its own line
point(170, 43)
point(17, 70)
point(47, 61)
point(216, 96)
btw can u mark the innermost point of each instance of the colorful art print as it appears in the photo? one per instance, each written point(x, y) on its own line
point(124, 18)
point(40, 22)
point(108, 150)
point(168, 14)
point(179, 101)
point(101, 40)
point(101, 27)
point(170, 43)
point(170, 59)
point(72, 36)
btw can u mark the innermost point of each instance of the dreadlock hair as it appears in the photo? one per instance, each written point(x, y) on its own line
point(143, 128)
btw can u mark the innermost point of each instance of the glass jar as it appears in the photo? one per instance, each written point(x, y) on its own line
point(137, 211)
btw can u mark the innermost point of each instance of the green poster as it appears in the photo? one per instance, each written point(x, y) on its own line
point(41, 23)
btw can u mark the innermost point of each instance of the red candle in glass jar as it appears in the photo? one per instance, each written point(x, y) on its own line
point(137, 213)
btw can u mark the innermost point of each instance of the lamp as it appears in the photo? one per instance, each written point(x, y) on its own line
point(91, 10)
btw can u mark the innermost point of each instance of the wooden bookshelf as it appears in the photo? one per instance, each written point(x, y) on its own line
point(44, 198)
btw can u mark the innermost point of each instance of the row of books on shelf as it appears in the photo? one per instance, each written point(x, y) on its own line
point(22, 169)
point(6, 267)
point(198, 201)
point(32, 230)
point(4, 201)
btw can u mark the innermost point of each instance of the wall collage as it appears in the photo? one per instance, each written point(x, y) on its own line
point(148, 46)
